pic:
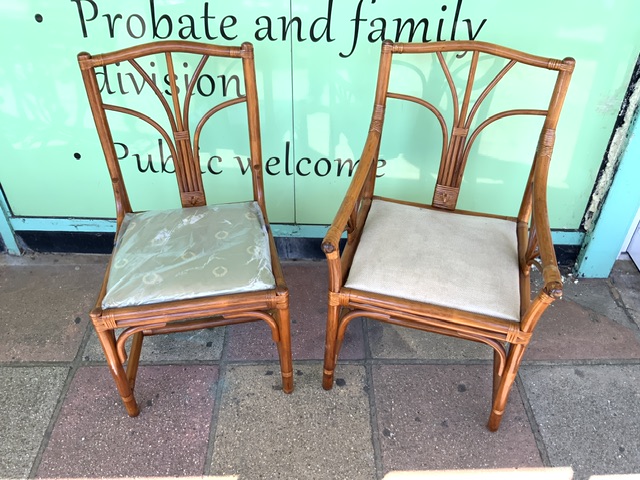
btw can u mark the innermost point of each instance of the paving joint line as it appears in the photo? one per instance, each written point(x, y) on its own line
point(217, 402)
point(619, 301)
point(373, 412)
point(533, 423)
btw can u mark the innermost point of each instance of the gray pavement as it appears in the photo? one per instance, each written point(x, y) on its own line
point(404, 400)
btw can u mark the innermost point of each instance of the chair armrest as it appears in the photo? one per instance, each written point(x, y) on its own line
point(351, 214)
point(354, 194)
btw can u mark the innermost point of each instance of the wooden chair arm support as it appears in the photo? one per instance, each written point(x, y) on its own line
point(354, 194)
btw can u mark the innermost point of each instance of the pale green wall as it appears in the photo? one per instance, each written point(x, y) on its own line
point(316, 96)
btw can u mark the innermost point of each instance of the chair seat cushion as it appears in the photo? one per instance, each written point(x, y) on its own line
point(441, 258)
point(168, 255)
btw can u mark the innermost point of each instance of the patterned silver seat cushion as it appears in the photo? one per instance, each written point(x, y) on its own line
point(440, 258)
point(168, 255)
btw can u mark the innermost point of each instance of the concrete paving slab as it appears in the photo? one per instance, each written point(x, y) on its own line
point(540, 473)
point(433, 417)
point(251, 341)
point(626, 281)
point(390, 341)
point(94, 437)
point(307, 282)
point(310, 434)
point(594, 294)
point(53, 259)
point(28, 397)
point(587, 416)
point(201, 345)
point(597, 295)
point(630, 476)
point(44, 308)
point(569, 331)
point(309, 295)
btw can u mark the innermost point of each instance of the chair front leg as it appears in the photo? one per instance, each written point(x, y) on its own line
point(108, 342)
point(503, 383)
point(330, 346)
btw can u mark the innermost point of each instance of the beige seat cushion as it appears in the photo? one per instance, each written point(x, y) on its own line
point(168, 255)
point(441, 258)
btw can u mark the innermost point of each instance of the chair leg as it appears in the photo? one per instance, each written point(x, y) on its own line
point(330, 352)
point(496, 376)
point(284, 349)
point(107, 339)
point(502, 385)
point(134, 358)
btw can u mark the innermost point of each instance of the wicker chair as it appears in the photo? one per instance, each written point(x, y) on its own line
point(194, 267)
point(434, 267)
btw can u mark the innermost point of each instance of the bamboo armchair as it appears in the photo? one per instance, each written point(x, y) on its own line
point(194, 267)
point(434, 267)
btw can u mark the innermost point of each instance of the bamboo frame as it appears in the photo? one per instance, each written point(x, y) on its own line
point(508, 339)
point(270, 306)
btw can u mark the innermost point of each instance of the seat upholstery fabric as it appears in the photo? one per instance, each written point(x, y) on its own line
point(442, 258)
point(169, 255)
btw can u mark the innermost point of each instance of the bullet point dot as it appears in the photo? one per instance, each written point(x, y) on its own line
point(38, 18)
point(77, 156)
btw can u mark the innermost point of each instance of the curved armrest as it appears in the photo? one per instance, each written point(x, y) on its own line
point(351, 214)
point(354, 194)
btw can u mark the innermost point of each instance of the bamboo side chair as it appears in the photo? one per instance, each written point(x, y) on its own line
point(468, 275)
point(194, 267)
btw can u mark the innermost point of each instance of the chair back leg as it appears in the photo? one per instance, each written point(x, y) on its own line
point(284, 348)
point(134, 358)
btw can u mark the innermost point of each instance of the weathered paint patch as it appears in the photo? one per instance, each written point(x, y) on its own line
point(615, 150)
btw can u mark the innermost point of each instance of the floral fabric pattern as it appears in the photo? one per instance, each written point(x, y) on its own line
point(168, 255)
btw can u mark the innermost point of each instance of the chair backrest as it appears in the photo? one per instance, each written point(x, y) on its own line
point(174, 91)
point(459, 136)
